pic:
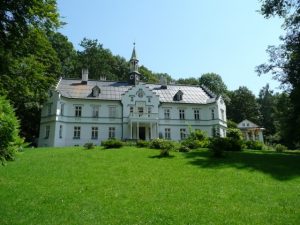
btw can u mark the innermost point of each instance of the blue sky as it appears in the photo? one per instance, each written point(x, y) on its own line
point(181, 38)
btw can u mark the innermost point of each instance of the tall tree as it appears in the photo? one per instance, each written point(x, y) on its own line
point(242, 106)
point(215, 83)
point(28, 63)
point(65, 52)
point(266, 101)
point(284, 62)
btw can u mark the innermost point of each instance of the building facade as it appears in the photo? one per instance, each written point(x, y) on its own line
point(251, 131)
point(83, 110)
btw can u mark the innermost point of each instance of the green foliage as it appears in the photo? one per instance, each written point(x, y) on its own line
point(164, 145)
point(284, 63)
point(18, 16)
point(242, 106)
point(188, 81)
point(234, 134)
point(65, 52)
point(88, 145)
point(142, 144)
point(112, 143)
point(214, 83)
point(255, 145)
point(10, 142)
point(231, 124)
point(184, 148)
point(196, 139)
point(218, 145)
point(280, 148)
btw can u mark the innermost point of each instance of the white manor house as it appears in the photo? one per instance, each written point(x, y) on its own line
point(83, 110)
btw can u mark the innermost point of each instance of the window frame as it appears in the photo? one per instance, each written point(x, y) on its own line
point(76, 132)
point(94, 133)
point(181, 114)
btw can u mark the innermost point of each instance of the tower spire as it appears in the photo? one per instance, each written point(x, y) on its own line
point(134, 74)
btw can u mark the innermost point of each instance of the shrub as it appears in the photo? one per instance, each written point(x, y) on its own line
point(196, 139)
point(142, 144)
point(88, 145)
point(156, 143)
point(255, 145)
point(280, 148)
point(10, 142)
point(184, 148)
point(112, 143)
point(217, 146)
point(164, 145)
point(234, 134)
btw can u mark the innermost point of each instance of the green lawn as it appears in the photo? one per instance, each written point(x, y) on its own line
point(132, 186)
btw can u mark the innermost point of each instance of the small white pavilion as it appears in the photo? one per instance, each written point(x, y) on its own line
point(251, 131)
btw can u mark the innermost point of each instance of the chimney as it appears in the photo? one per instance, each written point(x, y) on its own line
point(85, 76)
point(163, 82)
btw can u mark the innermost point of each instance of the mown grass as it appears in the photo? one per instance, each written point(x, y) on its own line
point(132, 186)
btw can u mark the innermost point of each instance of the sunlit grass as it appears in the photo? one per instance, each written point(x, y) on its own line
point(130, 186)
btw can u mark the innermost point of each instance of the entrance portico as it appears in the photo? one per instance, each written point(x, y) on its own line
point(143, 130)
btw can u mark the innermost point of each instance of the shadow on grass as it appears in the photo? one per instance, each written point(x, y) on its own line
point(161, 157)
point(282, 166)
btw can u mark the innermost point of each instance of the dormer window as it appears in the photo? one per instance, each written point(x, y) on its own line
point(178, 96)
point(95, 91)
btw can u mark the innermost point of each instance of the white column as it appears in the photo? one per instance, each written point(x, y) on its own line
point(156, 130)
point(137, 131)
point(150, 131)
point(130, 129)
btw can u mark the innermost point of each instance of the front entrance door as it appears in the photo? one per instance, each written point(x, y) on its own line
point(142, 133)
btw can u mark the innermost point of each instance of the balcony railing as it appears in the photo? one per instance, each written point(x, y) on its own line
point(143, 116)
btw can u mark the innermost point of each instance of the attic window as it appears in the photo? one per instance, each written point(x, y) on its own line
point(178, 96)
point(95, 91)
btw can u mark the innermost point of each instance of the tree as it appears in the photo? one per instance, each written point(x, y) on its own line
point(284, 62)
point(242, 106)
point(28, 64)
point(188, 81)
point(266, 102)
point(18, 16)
point(9, 131)
point(28, 77)
point(100, 62)
point(214, 83)
point(65, 52)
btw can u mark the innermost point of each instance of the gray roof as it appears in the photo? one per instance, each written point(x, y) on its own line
point(71, 88)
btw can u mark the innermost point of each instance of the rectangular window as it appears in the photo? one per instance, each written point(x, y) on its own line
point(167, 133)
point(212, 114)
point(182, 133)
point(94, 132)
point(197, 114)
point(76, 132)
point(141, 111)
point(49, 109)
point(47, 132)
point(60, 131)
point(95, 113)
point(112, 132)
point(167, 113)
point(149, 99)
point(78, 110)
point(131, 109)
point(222, 114)
point(112, 111)
point(181, 114)
point(149, 110)
point(62, 109)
